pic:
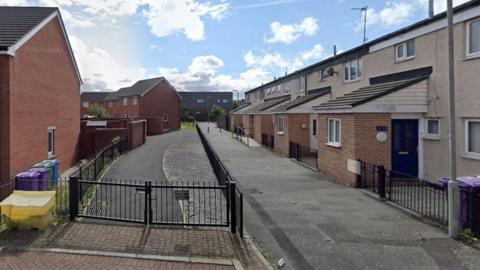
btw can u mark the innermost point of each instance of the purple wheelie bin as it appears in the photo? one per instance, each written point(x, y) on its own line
point(43, 178)
point(27, 181)
point(467, 184)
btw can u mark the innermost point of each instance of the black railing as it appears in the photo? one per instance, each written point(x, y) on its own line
point(471, 214)
point(423, 197)
point(267, 141)
point(241, 135)
point(303, 154)
point(93, 168)
point(224, 178)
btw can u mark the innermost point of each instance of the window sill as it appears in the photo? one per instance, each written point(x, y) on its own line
point(280, 133)
point(51, 156)
point(471, 156)
point(351, 81)
point(404, 59)
point(471, 57)
point(334, 145)
point(432, 137)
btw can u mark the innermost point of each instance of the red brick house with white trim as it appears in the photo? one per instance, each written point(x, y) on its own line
point(39, 91)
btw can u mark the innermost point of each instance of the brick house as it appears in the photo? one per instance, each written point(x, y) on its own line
point(155, 100)
point(199, 104)
point(388, 103)
point(90, 99)
point(39, 91)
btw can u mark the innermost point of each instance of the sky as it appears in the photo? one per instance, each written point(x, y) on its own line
point(217, 45)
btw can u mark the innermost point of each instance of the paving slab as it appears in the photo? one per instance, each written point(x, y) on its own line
point(297, 214)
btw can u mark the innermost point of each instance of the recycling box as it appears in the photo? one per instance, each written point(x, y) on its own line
point(27, 181)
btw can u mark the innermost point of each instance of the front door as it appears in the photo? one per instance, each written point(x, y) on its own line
point(313, 131)
point(405, 146)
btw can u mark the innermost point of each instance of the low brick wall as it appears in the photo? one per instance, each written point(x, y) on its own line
point(154, 126)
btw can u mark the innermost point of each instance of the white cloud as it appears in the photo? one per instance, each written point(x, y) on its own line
point(289, 33)
point(266, 60)
point(13, 3)
point(100, 70)
point(164, 17)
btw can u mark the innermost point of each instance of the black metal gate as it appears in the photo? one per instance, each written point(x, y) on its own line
point(163, 203)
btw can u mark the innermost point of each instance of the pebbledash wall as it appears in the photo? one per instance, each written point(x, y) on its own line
point(39, 89)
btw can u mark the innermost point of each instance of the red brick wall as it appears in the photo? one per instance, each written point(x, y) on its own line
point(358, 141)
point(160, 100)
point(248, 125)
point(138, 131)
point(236, 120)
point(44, 92)
point(5, 64)
point(257, 128)
point(125, 111)
point(154, 126)
point(297, 133)
point(267, 124)
point(367, 148)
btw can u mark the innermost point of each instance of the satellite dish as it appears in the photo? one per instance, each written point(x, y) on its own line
point(330, 71)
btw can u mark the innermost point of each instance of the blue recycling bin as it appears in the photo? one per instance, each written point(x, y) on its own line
point(55, 166)
point(466, 184)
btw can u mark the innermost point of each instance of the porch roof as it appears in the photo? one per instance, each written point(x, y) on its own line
point(313, 94)
point(268, 103)
point(241, 107)
point(374, 92)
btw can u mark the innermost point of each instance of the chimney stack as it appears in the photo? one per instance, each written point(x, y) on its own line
point(430, 8)
point(334, 50)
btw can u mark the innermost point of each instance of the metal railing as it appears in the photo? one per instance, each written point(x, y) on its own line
point(235, 203)
point(303, 154)
point(239, 134)
point(93, 168)
point(418, 195)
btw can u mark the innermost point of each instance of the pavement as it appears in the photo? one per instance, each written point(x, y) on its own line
point(299, 215)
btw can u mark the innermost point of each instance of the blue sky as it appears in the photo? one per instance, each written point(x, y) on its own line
point(218, 44)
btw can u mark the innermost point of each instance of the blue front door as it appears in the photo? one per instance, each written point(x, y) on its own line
point(405, 146)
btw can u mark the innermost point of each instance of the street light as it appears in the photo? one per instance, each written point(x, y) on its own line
point(238, 94)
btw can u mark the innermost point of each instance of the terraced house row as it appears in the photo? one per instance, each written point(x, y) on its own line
point(384, 102)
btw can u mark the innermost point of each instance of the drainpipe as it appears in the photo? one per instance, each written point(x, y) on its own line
point(430, 8)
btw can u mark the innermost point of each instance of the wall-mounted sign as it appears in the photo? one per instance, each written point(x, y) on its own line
point(381, 128)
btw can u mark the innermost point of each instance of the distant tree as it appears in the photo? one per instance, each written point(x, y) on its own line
point(215, 112)
point(98, 111)
point(234, 104)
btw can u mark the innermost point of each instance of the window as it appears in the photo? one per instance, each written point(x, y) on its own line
point(433, 128)
point(225, 100)
point(201, 100)
point(314, 127)
point(85, 104)
point(125, 101)
point(472, 138)
point(405, 50)
point(334, 132)
point(353, 70)
point(286, 88)
point(51, 142)
point(473, 38)
point(218, 101)
point(301, 84)
point(165, 118)
point(134, 100)
point(280, 125)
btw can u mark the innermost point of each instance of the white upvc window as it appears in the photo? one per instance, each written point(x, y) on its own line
point(51, 142)
point(473, 38)
point(85, 104)
point(353, 70)
point(320, 75)
point(432, 128)
point(472, 138)
point(301, 84)
point(165, 118)
point(405, 50)
point(280, 125)
point(125, 101)
point(334, 132)
point(286, 88)
point(134, 101)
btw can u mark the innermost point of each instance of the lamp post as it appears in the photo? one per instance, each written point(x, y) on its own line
point(453, 185)
point(238, 94)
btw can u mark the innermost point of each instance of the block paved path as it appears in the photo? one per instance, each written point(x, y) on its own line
point(297, 214)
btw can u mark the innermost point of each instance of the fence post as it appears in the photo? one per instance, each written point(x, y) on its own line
point(233, 208)
point(95, 168)
point(381, 182)
point(73, 190)
point(299, 151)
